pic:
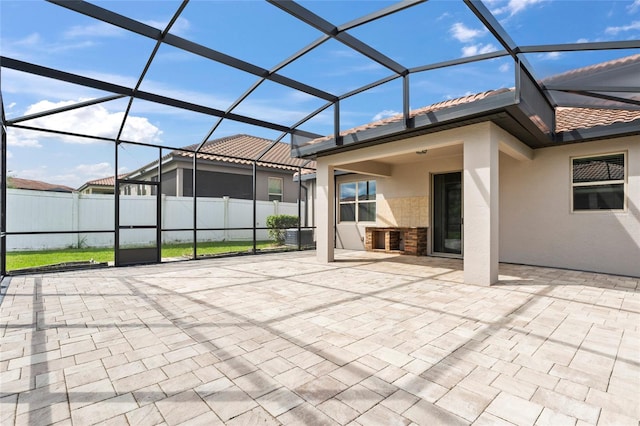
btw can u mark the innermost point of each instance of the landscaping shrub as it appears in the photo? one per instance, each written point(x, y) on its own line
point(278, 224)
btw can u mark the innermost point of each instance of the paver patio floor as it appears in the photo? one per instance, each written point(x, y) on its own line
point(282, 339)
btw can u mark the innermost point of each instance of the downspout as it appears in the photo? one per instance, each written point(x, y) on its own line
point(306, 205)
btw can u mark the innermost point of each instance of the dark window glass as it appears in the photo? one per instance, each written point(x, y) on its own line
point(598, 169)
point(275, 185)
point(367, 212)
point(367, 190)
point(598, 197)
point(447, 213)
point(348, 212)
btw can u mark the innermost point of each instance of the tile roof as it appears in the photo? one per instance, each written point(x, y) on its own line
point(106, 181)
point(36, 185)
point(417, 112)
point(571, 118)
point(592, 70)
point(567, 118)
point(242, 149)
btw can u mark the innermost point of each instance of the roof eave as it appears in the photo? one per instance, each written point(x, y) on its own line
point(499, 108)
point(616, 130)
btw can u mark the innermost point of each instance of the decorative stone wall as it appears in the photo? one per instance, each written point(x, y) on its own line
point(403, 211)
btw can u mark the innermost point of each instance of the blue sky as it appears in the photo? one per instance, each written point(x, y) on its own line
point(49, 35)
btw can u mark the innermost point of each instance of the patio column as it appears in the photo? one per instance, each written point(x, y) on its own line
point(481, 224)
point(325, 211)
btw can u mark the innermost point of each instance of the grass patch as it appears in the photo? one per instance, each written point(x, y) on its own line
point(36, 258)
point(212, 247)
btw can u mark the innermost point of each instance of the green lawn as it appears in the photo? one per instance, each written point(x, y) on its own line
point(30, 259)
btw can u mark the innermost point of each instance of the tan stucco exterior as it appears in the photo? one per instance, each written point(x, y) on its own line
point(402, 198)
point(522, 201)
point(537, 225)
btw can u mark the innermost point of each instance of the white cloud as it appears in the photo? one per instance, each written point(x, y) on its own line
point(86, 172)
point(31, 40)
point(505, 67)
point(74, 176)
point(583, 40)
point(22, 138)
point(94, 120)
point(99, 29)
point(514, 7)
point(296, 96)
point(20, 83)
point(180, 27)
point(635, 25)
point(264, 109)
point(33, 47)
point(347, 70)
point(384, 114)
point(550, 56)
point(9, 110)
point(464, 34)
point(344, 53)
point(195, 96)
point(478, 49)
point(634, 7)
point(43, 174)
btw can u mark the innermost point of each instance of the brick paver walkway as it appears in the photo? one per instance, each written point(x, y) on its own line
point(371, 339)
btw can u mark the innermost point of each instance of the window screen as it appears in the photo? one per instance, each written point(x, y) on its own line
point(598, 182)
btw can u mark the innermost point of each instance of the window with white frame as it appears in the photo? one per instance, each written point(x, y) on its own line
point(275, 188)
point(357, 201)
point(598, 182)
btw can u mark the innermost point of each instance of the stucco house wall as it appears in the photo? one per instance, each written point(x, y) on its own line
point(537, 226)
point(218, 180)
point(402, 199)
point(350, 235)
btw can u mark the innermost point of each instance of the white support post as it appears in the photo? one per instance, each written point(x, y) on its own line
point(179, 182)
point(481, 208)
point(325, 212)
point(75, 220)
point(225, 221)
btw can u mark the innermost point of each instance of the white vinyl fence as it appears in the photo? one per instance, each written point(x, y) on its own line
point(41, 211)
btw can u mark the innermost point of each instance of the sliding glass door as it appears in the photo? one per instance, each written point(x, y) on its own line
point(447, 213)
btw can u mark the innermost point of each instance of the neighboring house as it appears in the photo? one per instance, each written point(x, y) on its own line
point(225, 168)
point(99, 186)
point(499, 176)
point(36, 185)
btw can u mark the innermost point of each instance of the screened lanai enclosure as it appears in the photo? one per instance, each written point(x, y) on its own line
point(134, 93)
